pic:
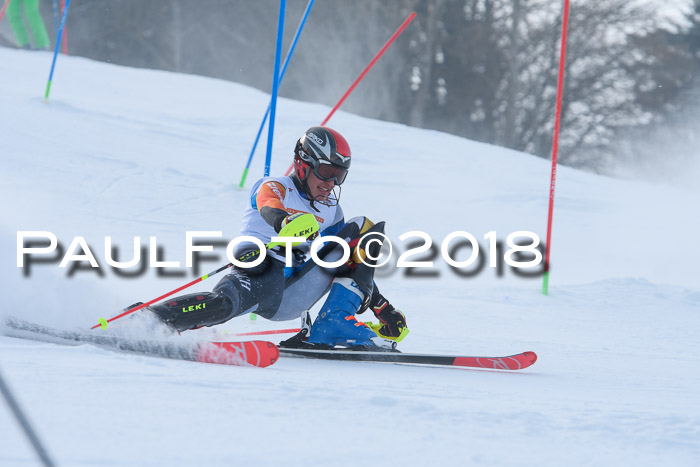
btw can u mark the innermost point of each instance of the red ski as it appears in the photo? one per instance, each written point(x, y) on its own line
point(255, 353)
point(513, 362)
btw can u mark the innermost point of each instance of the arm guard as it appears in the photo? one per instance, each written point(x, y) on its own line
point(269, 201)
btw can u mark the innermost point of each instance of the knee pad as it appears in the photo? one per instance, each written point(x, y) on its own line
point(195, 310)
point(356, 227)
point(260, 294)
point(249, 255)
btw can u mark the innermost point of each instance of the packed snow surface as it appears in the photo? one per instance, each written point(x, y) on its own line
point(127, 153)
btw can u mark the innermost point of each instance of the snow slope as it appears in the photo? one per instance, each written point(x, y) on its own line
point(125, 152)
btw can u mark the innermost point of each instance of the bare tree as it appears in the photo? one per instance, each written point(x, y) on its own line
point(483, 69)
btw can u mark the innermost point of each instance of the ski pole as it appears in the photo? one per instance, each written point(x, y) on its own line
point(388, 43)
point(284, 69)
point(104, 322)
point(303, 227)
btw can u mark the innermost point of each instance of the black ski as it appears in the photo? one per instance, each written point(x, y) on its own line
point(512, 362)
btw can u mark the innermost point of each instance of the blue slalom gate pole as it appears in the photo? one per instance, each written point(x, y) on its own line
point(275, 87)
point(273, 100)
point(58, 45)
point(244, 175)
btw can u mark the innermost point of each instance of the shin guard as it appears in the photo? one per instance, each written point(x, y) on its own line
point(195, 310)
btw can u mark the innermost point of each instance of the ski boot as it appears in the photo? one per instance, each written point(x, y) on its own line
point(194, 311)
point(336, 324)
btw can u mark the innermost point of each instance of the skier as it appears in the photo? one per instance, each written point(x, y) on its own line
point(303, 202)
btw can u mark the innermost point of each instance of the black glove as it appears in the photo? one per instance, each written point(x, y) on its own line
point(393, 321)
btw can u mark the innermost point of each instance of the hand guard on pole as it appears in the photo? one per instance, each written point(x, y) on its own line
point(393, 321)
point(302, 225)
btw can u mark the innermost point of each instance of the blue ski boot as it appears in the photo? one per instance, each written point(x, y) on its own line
point(336, 323)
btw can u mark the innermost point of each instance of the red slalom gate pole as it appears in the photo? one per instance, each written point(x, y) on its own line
point(388, 43)
point(264, 333)
point(64, 39)
point(4, 7)
point(555, 146)
point(376, 58)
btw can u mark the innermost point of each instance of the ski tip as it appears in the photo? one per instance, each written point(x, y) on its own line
point(531, 357)
point(257, 353)
point(513, 362)
point(525, 359)
point(254, 353)
point(269, 353)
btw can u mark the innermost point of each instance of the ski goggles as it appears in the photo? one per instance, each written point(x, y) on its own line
point(327, 172)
